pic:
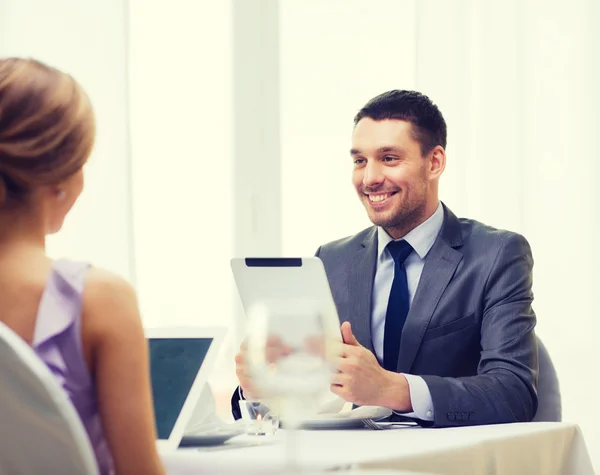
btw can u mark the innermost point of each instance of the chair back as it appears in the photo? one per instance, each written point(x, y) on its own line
point(40, 430)
point(549, 398)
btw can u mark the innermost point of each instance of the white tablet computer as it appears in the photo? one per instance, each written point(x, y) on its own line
point(299, 282)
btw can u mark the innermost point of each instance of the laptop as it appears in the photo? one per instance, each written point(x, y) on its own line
point(181, 360)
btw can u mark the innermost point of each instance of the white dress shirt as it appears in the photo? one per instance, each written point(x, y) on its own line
point(421, 239)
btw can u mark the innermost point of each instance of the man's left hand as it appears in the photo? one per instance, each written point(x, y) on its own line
point(362, 381)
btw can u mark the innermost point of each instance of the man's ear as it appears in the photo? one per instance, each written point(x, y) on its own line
point(436, 162)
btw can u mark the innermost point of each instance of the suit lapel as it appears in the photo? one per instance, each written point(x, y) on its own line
point(440, 264)
point(360, 283)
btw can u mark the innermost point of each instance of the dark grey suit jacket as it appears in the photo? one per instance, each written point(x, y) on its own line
point(470, 329)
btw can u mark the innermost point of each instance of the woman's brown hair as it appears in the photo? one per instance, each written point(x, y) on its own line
point(47, 128)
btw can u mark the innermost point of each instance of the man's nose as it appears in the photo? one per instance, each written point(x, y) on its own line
point(373, 175)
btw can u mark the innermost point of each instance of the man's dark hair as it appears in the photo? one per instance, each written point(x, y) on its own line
point(429, 126)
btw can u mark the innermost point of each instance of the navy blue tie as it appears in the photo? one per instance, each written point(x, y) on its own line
point(398, 305)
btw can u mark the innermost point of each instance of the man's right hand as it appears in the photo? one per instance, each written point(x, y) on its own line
point(241, 370)
point(274, 350)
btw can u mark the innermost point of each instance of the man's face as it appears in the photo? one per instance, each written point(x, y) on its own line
point(390, 175)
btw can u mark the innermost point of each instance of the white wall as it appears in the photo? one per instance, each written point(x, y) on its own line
point(87, 40)
point(180, 100)
point(328, 71)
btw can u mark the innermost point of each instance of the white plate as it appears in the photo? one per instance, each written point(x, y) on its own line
point(332, 424)
point(347, 420)
point(210, 438)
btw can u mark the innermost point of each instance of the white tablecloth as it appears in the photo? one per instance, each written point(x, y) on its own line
point(534, 448)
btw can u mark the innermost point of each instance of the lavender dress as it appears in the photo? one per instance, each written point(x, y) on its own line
point(57, 341)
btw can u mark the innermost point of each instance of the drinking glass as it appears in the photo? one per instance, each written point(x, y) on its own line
point(290, 356)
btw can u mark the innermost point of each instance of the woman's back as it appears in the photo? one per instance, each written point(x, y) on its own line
point(57, 340)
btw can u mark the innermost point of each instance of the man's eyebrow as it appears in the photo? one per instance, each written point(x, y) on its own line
point(380, 150)
point(390, 149)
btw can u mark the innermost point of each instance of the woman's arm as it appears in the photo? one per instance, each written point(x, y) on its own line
point(117, 353)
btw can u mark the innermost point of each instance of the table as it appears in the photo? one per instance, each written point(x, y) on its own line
point(530, 448)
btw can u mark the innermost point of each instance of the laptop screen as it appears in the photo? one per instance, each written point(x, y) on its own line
point(174, 365)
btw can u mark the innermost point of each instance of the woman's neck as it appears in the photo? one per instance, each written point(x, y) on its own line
point(19, 231)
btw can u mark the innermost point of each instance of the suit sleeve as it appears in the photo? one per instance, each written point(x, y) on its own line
point(235, 403)
point(504, 389)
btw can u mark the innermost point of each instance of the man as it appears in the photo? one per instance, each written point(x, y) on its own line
point(438, 324)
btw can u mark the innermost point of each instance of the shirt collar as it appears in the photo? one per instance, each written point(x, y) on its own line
point(420, 238)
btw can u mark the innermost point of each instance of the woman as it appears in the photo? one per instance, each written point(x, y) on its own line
point(82, 322)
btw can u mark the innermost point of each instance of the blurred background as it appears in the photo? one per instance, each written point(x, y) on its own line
point(224, 129)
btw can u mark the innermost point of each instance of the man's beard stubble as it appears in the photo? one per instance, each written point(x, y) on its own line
point(403, 218)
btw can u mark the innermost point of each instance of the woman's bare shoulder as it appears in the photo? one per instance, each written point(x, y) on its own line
point(109, 300)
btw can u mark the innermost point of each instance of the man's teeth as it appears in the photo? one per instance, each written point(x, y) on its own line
point(379, 197)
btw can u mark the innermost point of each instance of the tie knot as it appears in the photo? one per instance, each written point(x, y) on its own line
point(399, 250)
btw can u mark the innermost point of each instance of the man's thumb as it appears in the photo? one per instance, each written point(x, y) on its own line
point(348, 336)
